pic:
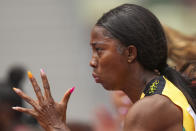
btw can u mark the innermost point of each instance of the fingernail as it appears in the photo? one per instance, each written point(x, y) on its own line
point(16, 90)
point(29, 74)
point(15, 108)
point(122, 110)
point(72, 89)
point(42, 71)
point(125, 100)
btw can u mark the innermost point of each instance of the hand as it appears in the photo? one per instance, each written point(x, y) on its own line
point(50, 114)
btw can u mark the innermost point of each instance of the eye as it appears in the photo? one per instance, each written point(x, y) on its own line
point(98, 49)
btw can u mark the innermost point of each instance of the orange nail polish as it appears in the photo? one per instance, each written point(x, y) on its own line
point(16, 90)
point(30, 74)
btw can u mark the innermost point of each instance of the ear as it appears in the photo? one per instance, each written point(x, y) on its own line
point(131, 53)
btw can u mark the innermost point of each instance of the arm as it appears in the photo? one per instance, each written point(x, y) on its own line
point(154, 113)
point(50, 114)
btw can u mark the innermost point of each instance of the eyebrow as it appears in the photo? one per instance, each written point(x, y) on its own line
point(95, 43)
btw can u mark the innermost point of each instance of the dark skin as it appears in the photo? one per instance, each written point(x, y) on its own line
point(50, 114)
point(116, 68)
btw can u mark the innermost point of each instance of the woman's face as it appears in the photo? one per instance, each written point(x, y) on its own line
point(109, 59)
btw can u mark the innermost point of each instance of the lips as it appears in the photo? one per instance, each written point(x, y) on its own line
point(96, 77)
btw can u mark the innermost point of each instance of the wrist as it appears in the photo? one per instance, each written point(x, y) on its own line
point(61, 127)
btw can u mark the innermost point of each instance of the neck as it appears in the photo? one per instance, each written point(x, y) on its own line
point(137, 83)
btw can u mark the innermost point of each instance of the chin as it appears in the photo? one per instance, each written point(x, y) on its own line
point(109, 87)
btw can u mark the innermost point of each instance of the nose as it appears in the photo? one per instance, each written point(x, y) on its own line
point(93, 62)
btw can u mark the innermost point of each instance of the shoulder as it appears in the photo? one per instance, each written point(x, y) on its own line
point(153, 113)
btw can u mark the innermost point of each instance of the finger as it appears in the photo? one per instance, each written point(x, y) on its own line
point(46, 85)
point(36, 87)
point(67, 96)
point(25, 110)
point(26, 98)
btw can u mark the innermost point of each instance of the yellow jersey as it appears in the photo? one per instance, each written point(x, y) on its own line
point(164, 87)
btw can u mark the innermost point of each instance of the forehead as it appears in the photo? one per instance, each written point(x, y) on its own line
point(101, 35)
point(99, 32)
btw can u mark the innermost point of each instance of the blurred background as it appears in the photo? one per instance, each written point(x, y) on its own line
point(54, 35)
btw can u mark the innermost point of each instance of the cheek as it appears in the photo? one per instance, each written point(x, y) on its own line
point(113, 66)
